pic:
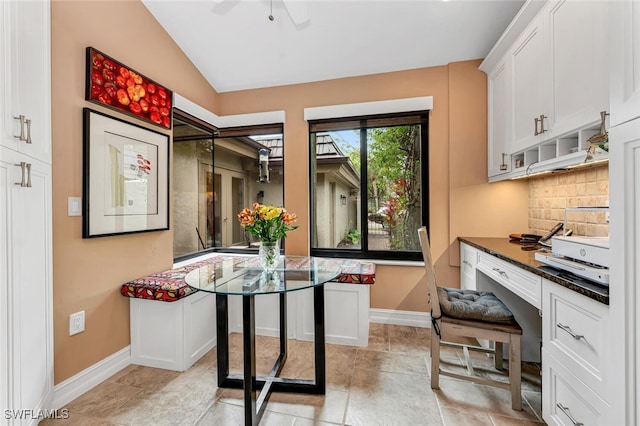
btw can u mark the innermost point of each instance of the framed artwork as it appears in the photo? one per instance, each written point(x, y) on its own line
point(125, 177)
point(112, 84)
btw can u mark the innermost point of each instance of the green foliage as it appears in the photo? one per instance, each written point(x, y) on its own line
point(394, 171)
point(353, 236)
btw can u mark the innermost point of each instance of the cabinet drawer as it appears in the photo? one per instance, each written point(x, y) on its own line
point(566, 400)
point(524, 284)
point(574, 331)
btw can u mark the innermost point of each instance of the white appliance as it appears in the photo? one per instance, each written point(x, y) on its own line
point(586, 257)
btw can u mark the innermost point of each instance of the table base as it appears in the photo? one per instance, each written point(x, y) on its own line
point(254, 404)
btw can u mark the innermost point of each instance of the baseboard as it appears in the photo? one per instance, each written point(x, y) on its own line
point(73, 387)
point(409, 318)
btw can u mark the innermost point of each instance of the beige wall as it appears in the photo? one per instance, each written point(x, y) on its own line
point(550, 195)
point(462, 202)
point(87, 273)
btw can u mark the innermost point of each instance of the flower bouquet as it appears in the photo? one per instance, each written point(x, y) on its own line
point(269, 224)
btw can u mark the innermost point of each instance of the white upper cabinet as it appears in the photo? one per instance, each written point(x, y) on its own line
point(558, 85)
point(531, 90)
point(26, 79)
point(499, 120)
point(577, 41)
point(625, 61)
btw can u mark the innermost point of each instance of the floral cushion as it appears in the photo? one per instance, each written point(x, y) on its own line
point(169, 286)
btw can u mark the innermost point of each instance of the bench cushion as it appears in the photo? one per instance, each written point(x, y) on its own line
point(169, 286)
point(473, 305)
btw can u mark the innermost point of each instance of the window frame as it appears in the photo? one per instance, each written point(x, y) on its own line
point(368, 122)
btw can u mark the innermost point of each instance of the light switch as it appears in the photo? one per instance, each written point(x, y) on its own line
point(75, 206)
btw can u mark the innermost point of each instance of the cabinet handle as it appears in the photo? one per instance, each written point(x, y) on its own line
point(566, 412)
point(28, 184)
point(22, 166)
point(501, 272)
point(28, 121)
point(542, 129)
point(503, 166)
point(466, 262)
point(21, 119)
point(535, 122)
point(568, 330)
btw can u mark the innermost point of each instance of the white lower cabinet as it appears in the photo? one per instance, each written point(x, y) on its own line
point(575, 384)
point(566, 400)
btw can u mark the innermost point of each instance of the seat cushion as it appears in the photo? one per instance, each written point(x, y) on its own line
point(473, 305)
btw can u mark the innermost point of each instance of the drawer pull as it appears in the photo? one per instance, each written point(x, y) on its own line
point(466, 262)
point(568, 330)
point(500, 271)
point(21, 136)
point(566, 412)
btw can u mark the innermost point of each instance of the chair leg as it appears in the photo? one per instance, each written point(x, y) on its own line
point(497, 356)
point(515, 371)
point(435, 359)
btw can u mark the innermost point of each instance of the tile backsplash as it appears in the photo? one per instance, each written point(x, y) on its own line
point(550, 195)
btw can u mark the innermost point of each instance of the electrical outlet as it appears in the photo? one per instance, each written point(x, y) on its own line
point(76, 323)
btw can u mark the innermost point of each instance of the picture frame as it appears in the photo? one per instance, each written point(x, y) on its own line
point(125, 186)
point(114, 85)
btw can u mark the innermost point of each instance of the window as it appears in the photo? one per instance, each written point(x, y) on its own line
point(216, 173)
point(369, 186)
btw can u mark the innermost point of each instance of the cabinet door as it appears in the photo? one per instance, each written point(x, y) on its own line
point(625, 60)
point(27, 83)
point(577, 42)
point(26, 281)
point(530, 94)
point(7, 159)
point(32, 287)
point(499, 120)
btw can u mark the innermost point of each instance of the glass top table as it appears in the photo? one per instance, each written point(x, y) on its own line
point(243, 276)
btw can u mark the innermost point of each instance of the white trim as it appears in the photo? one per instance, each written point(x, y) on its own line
point(184, 104)
point(416, 263)
point(394, 317)
point(87, 379)
point(253, 119)
point(369, 108)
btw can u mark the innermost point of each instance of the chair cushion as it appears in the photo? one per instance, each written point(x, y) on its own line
point(473, 305)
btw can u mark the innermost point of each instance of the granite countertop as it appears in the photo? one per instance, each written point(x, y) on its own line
point(525, 259)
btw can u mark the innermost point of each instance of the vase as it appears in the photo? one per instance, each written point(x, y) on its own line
point(269, 255)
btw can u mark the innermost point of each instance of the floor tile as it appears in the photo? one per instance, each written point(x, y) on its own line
point(386, 383)
point(390, 399)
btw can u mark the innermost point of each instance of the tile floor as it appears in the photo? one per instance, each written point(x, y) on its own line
point(386, 383)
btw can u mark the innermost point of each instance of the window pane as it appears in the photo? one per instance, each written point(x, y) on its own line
point(192, 189)
point(236, 164)
point(337, 190)
point(393, 188)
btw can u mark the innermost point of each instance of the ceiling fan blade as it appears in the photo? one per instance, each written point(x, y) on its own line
point(297, 10)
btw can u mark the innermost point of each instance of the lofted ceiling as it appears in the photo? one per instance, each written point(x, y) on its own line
point(235, 46)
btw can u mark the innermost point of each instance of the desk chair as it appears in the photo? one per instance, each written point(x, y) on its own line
point(475, 314)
